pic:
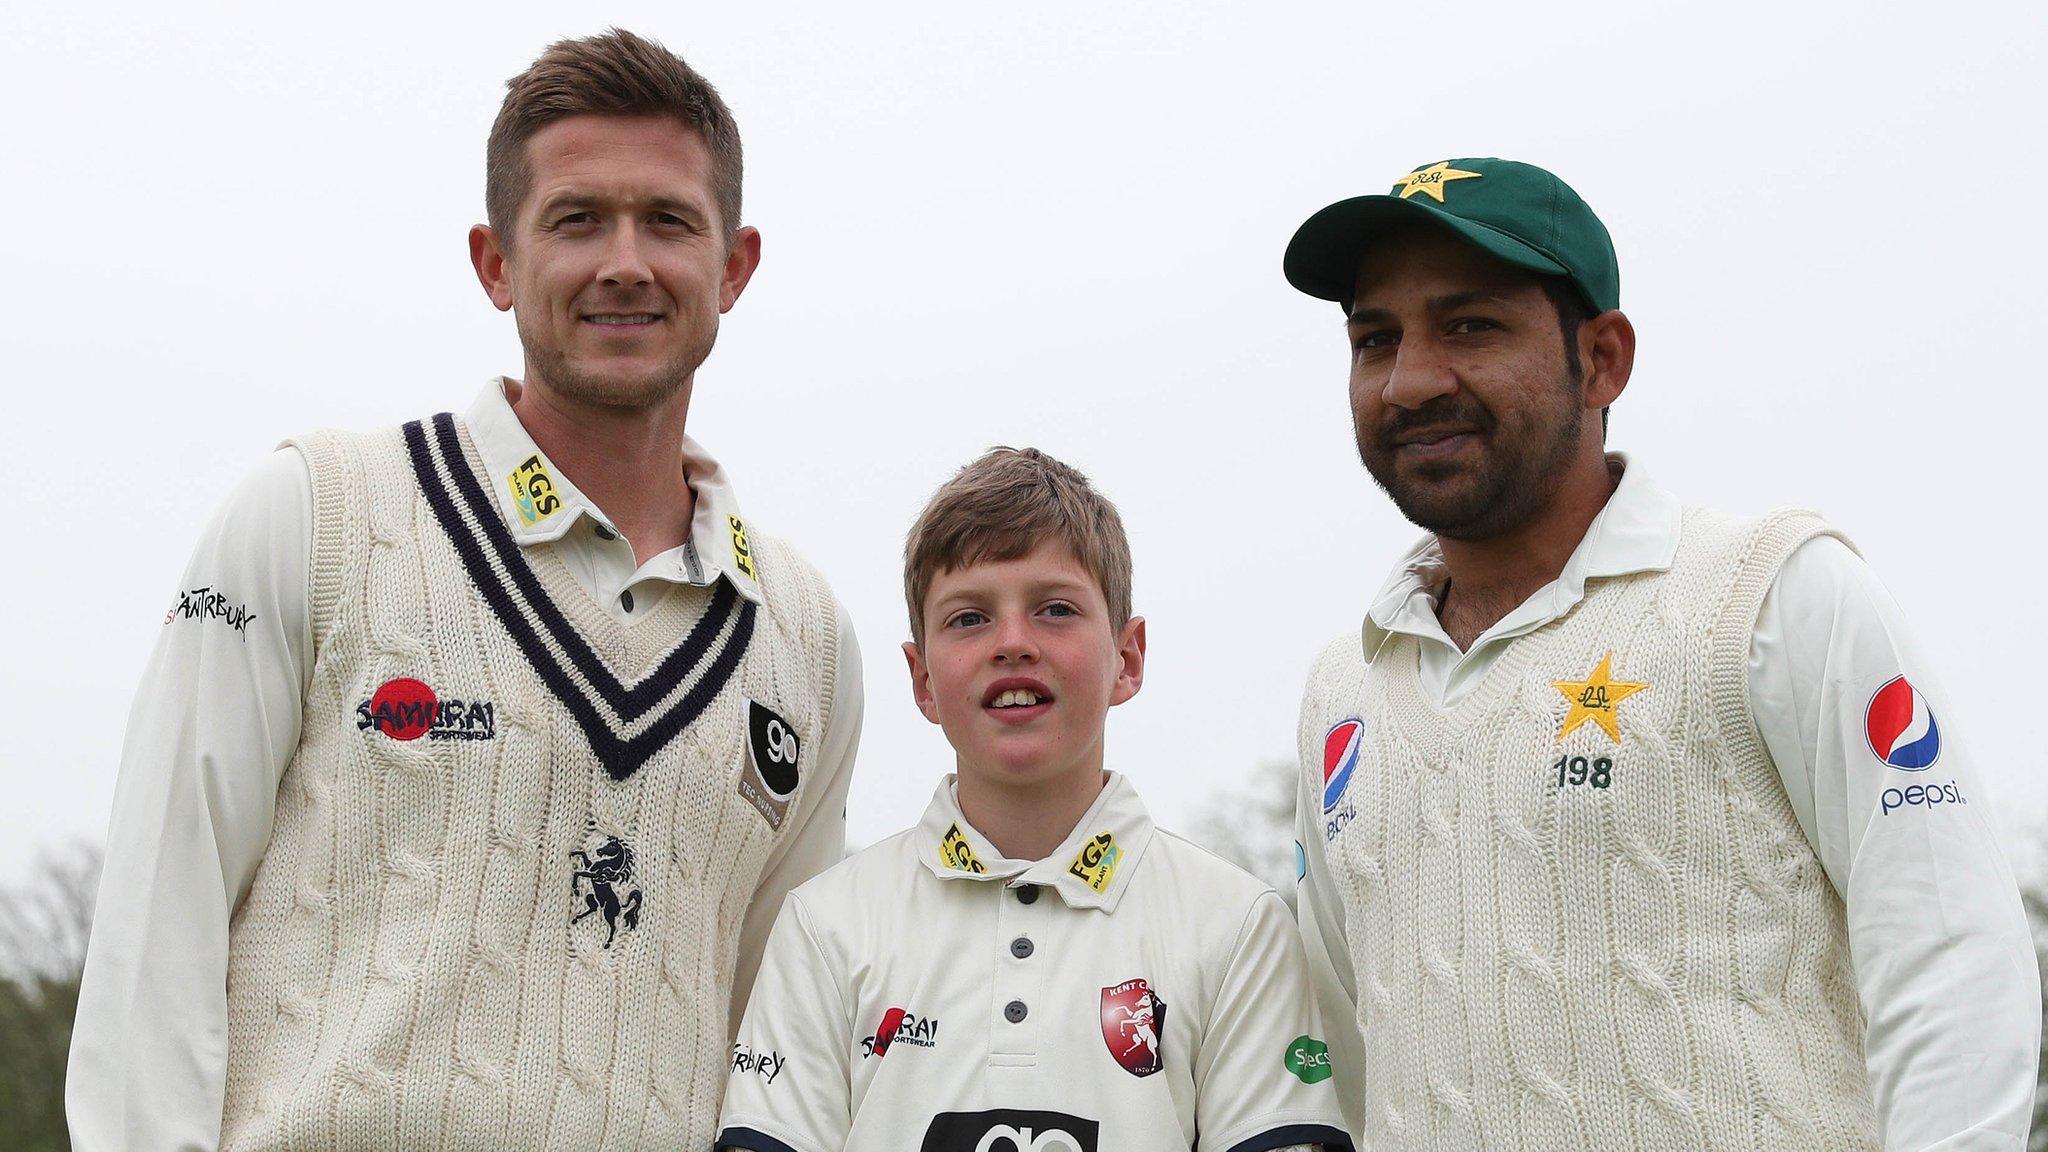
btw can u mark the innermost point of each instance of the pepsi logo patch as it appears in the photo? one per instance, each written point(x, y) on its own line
point(1340, 756)
point(1901, 728)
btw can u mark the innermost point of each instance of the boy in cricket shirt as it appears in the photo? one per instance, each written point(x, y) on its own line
point(1035, 967)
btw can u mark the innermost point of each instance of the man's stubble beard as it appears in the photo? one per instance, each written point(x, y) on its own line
point(565, 379)
point(1512, 484)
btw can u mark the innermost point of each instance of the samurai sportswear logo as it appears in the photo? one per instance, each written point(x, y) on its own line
point(772, 751)
point(1309, 1059)
point(956, 853)
point(406, 709)
point(1340, 759)
point(899, 1026)
point(768, 1064)
point(1095, 864)
point(206, 604)
point(1132, 1019)
point(607, 870)
point(1010, 1130)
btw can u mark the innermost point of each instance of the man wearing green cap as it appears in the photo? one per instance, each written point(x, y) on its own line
point(1624, 824)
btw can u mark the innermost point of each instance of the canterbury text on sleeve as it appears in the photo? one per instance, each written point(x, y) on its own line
point(215, 721)
point(215, 724)
point(1892, 801)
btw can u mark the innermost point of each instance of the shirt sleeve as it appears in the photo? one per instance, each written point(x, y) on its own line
point(215, 721)
point(819, 839)
point(790, 1088)
point(1262, 1077)
point(1872, 757)
point(1320, 911)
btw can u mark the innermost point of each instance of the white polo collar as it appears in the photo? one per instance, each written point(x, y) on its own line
point(1637, 531)
point(718, 534)
point(1090, 869)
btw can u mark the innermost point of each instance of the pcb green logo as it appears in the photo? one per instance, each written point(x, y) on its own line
point(1309, 1059)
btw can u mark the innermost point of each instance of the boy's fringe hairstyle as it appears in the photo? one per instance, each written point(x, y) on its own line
point(1001, 507)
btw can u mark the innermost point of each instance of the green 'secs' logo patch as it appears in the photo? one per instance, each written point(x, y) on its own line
point(1309, 1058)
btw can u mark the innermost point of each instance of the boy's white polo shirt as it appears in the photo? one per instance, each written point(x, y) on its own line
point(1129, 993)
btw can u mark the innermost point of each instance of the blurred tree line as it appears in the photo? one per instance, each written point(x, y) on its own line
point(45, 920)
point(43, 927)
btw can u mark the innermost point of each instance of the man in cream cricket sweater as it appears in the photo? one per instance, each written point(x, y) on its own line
point(477, 756)
point(1625, 825)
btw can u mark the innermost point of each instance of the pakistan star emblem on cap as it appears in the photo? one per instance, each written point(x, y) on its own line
point(1596, 698)
point(1430, 181)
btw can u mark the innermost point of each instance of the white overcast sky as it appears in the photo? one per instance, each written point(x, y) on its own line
point(1056, 224)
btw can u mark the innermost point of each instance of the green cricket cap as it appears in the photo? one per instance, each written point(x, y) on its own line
point(1515, 212)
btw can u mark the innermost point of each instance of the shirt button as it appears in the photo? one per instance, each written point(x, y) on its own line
point(1027, 893)
point(1015, 1011)
point(1020, 947)
point(604, 533)
point(626, 599)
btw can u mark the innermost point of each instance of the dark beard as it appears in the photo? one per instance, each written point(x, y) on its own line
point(561, 375)
point(1512, 483)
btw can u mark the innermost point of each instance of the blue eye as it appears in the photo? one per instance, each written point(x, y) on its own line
point(1059, 609)
point(968, 619)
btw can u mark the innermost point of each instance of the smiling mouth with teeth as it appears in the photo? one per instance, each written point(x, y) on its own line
point(1015, 698)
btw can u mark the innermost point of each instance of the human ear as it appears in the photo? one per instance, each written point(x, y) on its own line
point(487, 256)
point(1607, 347)
point(741, 258)
point(921, 681)
point(1130, 652)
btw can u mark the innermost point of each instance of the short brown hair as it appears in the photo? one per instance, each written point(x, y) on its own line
point(613, 74)
point(1001, 507)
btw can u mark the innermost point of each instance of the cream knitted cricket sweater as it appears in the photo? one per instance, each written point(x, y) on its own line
point(1566, 940)
point(502, 900)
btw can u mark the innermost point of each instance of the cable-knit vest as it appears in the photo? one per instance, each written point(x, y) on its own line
point(1563, 940)
point(502, 899)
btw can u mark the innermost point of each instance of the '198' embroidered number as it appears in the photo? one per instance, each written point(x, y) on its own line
point(1573, 770)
